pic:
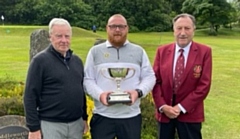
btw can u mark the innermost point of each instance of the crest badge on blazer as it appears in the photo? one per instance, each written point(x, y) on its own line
point(197, 71)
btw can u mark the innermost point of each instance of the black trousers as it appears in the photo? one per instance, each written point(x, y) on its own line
point(184, 130)
point(108, 128)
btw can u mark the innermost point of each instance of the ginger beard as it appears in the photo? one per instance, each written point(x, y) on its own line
point(117, 39)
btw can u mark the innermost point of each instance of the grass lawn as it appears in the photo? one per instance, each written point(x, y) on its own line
point(222, 107)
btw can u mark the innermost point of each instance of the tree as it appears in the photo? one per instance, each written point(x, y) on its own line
point(76, 12)
point(176, 5)
point(211, 12)
point(98, 12)
point(236, 5)
point(149, 15)
point(144, 15)
point(7, 9)
point(24, 12)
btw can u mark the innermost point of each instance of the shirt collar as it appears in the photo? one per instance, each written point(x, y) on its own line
point(68, 54)
point(186, 49)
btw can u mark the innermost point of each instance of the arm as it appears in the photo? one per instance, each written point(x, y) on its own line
point(86, 127)
point(147, 76)
point(85, 115)
point(159, 101)
point(89, 77)
point(157, 92)
point(31, 95)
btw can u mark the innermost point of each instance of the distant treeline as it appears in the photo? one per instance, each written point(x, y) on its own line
point(142, 15)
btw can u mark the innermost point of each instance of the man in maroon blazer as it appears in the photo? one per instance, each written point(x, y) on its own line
point(179, 100)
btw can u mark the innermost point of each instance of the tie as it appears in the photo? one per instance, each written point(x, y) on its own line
point(178, 71)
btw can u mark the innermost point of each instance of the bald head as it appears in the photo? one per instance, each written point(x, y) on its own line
point(117, 16)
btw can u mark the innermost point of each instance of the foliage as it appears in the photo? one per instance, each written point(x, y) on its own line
point(236, 5)
point(150, 15)
point(176, 5)
point(11, 93)
point(11, 106)
point(142, 15)
point(149, 129)
point(90, 106)
point(211, 12)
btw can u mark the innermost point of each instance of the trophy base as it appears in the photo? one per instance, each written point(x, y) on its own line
point(119, 98)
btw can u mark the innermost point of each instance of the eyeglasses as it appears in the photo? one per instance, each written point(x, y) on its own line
point(114, 27)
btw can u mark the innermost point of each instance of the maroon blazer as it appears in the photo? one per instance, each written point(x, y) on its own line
point(195, 85)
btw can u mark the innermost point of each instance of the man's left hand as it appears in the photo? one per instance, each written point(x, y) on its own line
point(133, 95)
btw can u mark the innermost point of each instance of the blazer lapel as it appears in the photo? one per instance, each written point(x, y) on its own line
point(170, 55)
point(190, 61)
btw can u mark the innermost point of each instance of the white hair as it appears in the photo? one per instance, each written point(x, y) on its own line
point(58, 21)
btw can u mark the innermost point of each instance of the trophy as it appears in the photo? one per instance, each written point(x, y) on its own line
point(119, 74)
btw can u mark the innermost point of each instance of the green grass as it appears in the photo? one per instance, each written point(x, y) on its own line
point(222, 109)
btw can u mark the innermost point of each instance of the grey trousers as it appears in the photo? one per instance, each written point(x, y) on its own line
point(56, 130)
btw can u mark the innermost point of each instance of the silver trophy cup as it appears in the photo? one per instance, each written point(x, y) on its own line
point(119, 74)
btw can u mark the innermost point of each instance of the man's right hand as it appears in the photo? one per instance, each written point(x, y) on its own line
point(170, 112)
point(103, 98)
point(35, 135)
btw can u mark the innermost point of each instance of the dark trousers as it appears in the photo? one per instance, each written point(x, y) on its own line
point(108, 128)
point(184, 130)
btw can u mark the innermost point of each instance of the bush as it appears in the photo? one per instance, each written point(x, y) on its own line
point(149, 123)
point(133, 29)
point(11, 106)
point(11, 92)
point(90, 106)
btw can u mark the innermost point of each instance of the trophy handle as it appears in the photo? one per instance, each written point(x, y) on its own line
point(102, 72)
point(129, 69)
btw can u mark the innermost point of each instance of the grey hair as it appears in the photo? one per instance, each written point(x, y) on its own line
point(185, 15)
point(58, 21)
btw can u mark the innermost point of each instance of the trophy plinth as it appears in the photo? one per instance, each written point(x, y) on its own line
point(119, 74)
point(118, 97)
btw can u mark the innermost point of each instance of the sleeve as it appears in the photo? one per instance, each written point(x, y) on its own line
point(147, 75)
point(89, 77)
point(85, 115)
point(31, 95)
point(157, 92)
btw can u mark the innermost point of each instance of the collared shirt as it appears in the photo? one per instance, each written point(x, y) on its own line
point(177, 53)
point(64, 59)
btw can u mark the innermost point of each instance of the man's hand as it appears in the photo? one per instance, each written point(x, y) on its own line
point(176, 107)
point(104, 97)
point(86, 127)
point(171, 112)
point(35, 135)
point(133, 96)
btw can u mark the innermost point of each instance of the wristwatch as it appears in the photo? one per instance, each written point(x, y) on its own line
point(140, 93)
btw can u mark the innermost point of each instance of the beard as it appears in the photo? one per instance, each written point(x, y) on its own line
point(117, 40)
